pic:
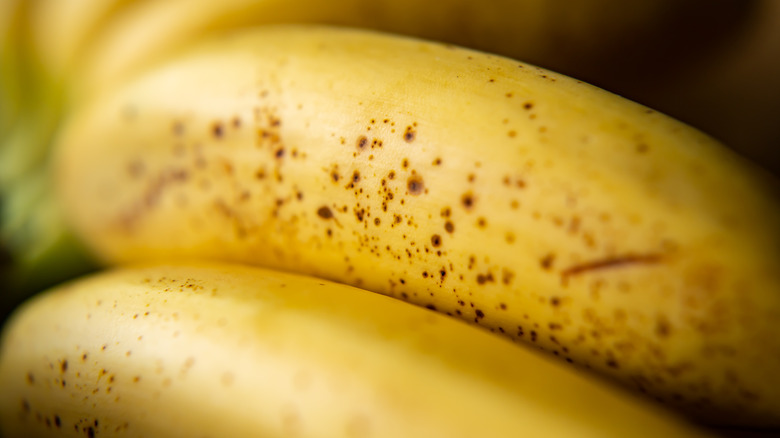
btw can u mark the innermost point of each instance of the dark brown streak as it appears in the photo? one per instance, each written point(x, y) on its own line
point(609, 262)
point(152, 195)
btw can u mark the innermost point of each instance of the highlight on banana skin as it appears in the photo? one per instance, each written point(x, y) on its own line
point(276, 218)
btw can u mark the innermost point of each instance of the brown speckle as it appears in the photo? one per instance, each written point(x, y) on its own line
point(409, 134)
point(507, 276)
point(415, 185)
point(356, 177)
point(449, 226)
point(662, 327)
point(547, 261)
point(485, 278)
point(217, 130)
point(436, 240)
point(324, 212)
point(362, 142)
point(467, 200)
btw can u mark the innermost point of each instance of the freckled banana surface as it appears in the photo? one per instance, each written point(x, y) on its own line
point(214, 350)
point(527, 202)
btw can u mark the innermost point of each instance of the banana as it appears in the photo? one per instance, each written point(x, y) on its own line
point(513, 197)
point(205, 349)
point(78, 49)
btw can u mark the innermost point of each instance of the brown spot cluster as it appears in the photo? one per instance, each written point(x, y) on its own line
point(71, 376)
point(386, 174)
point(410, 133)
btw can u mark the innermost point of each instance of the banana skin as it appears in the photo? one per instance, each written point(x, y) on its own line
point(211, 350)
point(527, 202)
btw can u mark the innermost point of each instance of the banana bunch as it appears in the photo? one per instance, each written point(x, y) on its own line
point(204, 349)
point(527, 202)
point(510, 196)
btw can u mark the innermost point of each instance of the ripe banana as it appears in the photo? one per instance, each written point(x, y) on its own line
point(528, 202)
point(75, 49)
point(226, 350)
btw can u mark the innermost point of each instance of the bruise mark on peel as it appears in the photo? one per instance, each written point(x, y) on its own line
point(152, 195)
point(609, 262)
point(324, 212)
